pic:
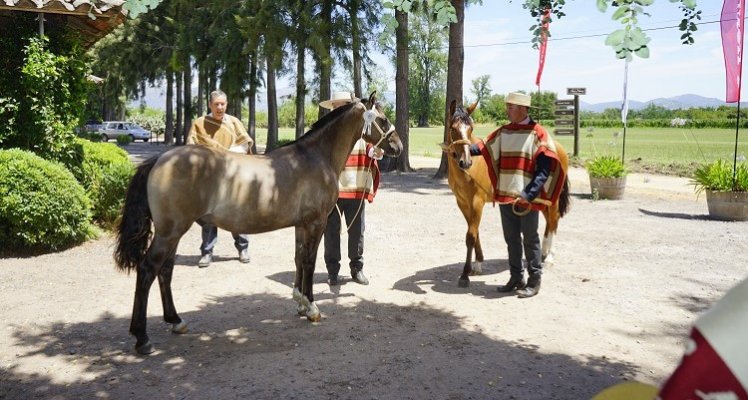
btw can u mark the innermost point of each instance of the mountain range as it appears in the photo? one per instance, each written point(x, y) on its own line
point(672, 103)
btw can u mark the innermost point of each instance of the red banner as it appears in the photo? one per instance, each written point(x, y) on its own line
point(731, 24)
point(544, 45)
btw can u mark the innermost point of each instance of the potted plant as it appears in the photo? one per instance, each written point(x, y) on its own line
point(607, 177)
point(726, 199)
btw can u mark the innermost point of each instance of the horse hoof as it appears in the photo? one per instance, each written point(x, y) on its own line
point(145, 349)
point(179, 328)
point(477, 269)
point(313, 313)
point(463, 283)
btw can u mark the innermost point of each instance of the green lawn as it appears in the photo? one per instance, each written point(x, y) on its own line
point(671, 150)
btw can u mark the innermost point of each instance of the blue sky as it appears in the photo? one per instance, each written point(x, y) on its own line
point(671, 70)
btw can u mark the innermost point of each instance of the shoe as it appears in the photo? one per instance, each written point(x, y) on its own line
point(244, 256)
point(532, 288)
point(332, 280)
point(205, 260)
point(359, 277)
point(516, 282)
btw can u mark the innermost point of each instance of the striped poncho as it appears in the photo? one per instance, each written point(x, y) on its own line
point(511, 152)
point(360, 177)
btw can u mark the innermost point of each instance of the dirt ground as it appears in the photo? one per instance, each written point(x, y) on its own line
point(629, 279)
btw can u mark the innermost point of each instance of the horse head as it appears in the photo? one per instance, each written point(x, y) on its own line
point(460, 134)
point(378, 130)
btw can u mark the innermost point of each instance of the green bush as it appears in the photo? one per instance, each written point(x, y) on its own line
point(104, 171)
point(42, 206)
point(718, 176)
point(605, 167)
point(124, 140)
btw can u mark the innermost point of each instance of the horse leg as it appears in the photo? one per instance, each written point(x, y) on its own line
point(146, 274)
point(475, 227)
point(167, 300)
point(307, 243)
point(467, 270)
point(552, 216)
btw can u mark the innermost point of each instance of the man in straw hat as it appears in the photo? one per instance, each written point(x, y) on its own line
point(527, 177)
point(358, 181)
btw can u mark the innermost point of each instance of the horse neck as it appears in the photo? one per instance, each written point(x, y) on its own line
point(337, 142)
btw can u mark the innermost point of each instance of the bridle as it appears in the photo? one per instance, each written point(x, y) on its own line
point(370, 118)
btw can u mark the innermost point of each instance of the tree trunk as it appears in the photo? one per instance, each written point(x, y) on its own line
point(201, 80)
point(325, 58)
point(187, 102)
point(402, 124)
point(300, 88)
point(272, 107)
point(252, 100)
point(169, 133)
point(356, 50)
point(180, 110)
point(456, 60)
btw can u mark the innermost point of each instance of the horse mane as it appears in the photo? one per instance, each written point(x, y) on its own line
point(321, 123)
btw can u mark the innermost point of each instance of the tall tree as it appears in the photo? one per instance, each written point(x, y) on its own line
point(481, 87)
point(454, 72)
point(428, 67)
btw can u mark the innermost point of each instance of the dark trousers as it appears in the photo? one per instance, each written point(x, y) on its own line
point(519, 233)
point(210, 238)
point(355, 235)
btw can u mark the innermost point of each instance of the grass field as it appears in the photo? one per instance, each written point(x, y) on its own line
point(664, 150)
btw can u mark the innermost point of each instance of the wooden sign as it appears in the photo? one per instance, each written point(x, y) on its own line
point(563, 112)
point(564, 102)
point(563, 132)
point(576, 91)
point(564, 122)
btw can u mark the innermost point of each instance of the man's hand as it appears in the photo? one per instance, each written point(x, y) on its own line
point(376, 153)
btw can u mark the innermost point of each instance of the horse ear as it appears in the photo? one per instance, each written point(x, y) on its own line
point(472, 108)
point(452, 107)
point(373, 97)
point(444, 146)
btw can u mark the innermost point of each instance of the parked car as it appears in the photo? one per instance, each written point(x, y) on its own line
point(113, 129)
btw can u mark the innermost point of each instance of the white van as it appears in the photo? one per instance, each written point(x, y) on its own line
point(112, 129)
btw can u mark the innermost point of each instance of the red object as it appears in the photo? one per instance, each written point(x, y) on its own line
point(732, 26)
point(544, 45)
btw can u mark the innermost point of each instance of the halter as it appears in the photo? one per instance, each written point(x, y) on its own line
point(370, 117)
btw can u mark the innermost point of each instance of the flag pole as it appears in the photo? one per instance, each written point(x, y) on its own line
point(625, 109)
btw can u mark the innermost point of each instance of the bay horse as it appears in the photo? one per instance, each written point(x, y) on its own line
point(294, 185)
point(469, 181)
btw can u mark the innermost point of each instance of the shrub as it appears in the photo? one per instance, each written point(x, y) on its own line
point(42, 206)
point(104, 171)
point(605, 167)
point(718, 176)
point(124, 140)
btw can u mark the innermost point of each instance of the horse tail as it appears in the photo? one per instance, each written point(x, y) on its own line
point(134, 228)
point(564, 199)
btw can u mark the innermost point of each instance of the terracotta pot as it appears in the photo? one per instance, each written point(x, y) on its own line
point(727, 206)
point(608, 188)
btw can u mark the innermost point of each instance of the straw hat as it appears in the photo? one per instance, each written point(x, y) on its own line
point(337, 100)
point(519, 99)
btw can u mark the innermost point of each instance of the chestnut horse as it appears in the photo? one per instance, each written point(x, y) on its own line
point(469, 181)
point(294, 185)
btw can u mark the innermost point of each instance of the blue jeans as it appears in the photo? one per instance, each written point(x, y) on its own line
point(355, 235)
point(519, 233)
point(210, 238)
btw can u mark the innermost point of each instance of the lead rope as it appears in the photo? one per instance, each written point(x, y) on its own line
point(370, 117)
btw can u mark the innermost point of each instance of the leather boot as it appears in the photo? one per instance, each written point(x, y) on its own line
point(532, 288)
point(515, 282)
